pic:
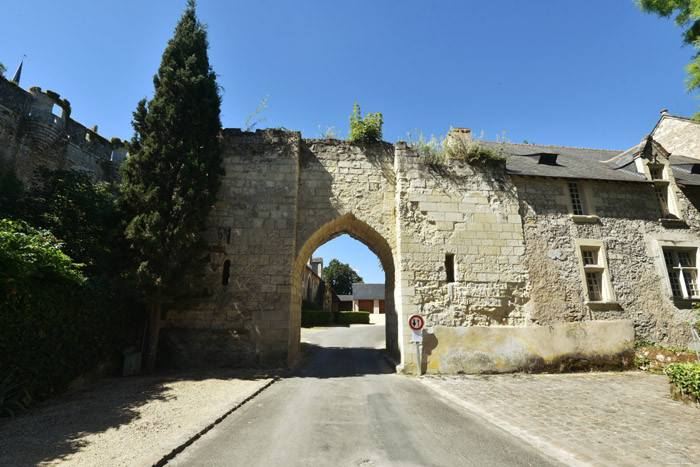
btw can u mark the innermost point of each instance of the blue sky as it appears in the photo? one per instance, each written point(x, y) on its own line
point(587, 74)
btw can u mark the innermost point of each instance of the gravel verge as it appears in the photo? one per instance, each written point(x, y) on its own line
point(135, 421)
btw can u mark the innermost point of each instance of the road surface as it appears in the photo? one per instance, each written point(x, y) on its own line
point(343, 406)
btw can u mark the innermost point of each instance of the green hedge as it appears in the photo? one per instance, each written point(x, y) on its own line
point(309, 305)
point(56, 323)
point(352, 317)
point(686, 378)
point(311, 318)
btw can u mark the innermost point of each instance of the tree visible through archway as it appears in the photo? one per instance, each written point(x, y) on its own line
point(373, 247)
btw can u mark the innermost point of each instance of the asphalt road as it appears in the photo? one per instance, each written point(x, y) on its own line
point(343, 406)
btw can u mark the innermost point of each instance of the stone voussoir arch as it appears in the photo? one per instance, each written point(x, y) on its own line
point(361, 231)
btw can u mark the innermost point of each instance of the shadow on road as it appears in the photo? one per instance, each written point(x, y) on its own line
point(341, 362)
point(55, 429)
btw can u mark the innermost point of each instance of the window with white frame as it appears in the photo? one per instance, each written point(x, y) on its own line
point(594, 270)
point(681, 266)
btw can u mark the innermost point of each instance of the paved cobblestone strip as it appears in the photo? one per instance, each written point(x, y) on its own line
point(621, 419)
point(547, 448)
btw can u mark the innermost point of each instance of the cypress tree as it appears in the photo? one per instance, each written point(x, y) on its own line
point(173, 173)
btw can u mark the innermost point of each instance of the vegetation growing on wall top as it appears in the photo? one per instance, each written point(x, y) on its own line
point(438, 151)
point(366, 129)
point(251, 121)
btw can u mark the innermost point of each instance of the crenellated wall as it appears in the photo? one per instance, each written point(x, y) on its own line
point(36, 131)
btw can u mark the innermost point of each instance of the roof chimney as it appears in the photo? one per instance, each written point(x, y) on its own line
point(466, 133)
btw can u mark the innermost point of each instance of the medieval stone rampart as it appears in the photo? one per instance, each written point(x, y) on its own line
point(450, 239)
point(36, 131)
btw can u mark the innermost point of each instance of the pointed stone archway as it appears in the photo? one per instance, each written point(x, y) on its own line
point(359, 230)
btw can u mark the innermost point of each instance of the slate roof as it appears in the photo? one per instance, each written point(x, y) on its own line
point(344, 298)
point(686, 170)
point(368, 291)
point(585, 163)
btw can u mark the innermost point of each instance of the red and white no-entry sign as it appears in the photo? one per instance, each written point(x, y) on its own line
point(416, 322)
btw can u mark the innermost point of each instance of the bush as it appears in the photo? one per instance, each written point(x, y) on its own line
point(311, 318)
point(13, 397)
point(352, 317)
point(686, 379)
point(365, 130)
point(56, 323)
point(438, 151)
point(474, 153)
point(309, 305)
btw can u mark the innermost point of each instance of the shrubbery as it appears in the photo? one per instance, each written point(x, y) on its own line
point(59, 319)
point(53, 319)
point(311, 318)
point(438, 151)
point(365, 130)
point(686, 378)
point(352, 317)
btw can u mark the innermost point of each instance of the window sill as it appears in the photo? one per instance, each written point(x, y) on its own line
point(673, 223)
point(603, 305)
point(685, 303)
point(584, 218)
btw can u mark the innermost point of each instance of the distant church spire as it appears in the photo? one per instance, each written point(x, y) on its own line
point(18, 72)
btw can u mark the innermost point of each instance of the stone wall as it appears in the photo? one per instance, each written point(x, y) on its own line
point(471, 214)
point(490, 260)
point(678, 135)
point(628, 226)
point(283, 197)
point(36, 131)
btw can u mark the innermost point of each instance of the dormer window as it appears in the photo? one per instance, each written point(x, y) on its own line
point(656, 172)
point(547, 159)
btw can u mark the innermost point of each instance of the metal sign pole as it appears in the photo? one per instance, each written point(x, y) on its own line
point(418, 358)
point(416, 323)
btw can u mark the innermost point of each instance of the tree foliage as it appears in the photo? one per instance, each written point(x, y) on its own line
point(79, 212)
point(174, 169)
point(3, 69)
point(340, 276)
point(57, 322)
point(60, 318)
point(687, 16)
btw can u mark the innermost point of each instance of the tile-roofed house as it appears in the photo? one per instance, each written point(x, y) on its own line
point(369, 297)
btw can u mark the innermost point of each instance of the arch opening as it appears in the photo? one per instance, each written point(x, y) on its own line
point(365, 234)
